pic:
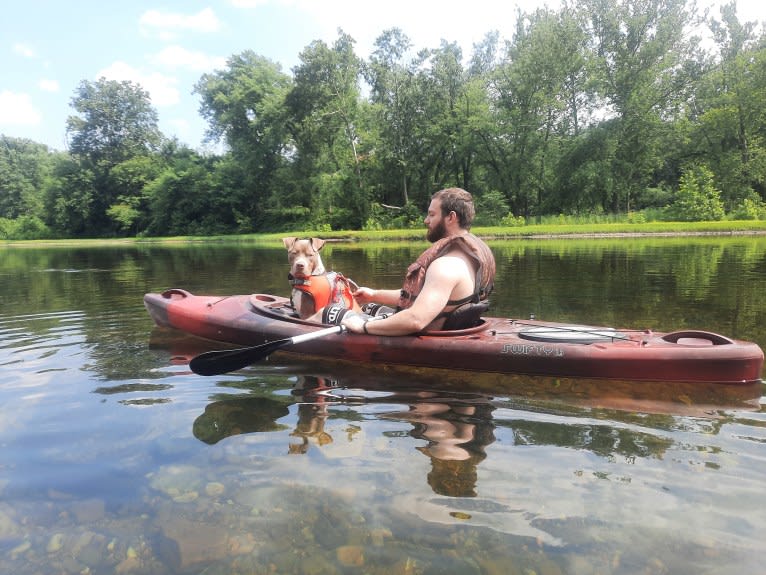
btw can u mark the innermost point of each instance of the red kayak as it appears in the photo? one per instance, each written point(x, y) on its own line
point(500, 345)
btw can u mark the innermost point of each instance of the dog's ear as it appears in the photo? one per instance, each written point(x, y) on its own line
point(289, 242)
point(317, 243)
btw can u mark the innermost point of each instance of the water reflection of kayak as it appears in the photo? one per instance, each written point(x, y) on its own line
point(497, 345)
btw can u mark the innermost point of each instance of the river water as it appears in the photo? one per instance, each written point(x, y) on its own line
point(117, 459)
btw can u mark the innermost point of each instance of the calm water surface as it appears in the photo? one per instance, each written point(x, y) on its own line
point(117, 459)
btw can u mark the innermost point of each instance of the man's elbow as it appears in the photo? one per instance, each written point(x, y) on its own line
point(415, 323)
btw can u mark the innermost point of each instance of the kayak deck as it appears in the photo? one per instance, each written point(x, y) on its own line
point(502, 345)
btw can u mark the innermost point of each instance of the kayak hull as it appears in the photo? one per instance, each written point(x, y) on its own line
point(501, 345)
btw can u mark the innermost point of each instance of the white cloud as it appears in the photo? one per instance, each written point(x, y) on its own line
point(168, 25)
point(48, 85)
point(180, 124)
point(179, 57)
point(248, 3)
point(16, 109)
point(24, 50)
point(162, 89)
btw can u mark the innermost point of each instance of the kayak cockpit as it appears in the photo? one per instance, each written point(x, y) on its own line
point(280, 308)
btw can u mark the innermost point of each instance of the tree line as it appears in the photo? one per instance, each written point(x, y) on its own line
point(602, 108)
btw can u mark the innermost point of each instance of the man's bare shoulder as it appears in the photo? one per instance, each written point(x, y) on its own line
point(453, 264)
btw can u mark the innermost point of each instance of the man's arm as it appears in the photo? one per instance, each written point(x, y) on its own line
point(389, 297)
point(441, 278)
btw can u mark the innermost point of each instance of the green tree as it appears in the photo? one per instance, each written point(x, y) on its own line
point(185, 200)
point(442, 128)
point(640, 52)
point(392, 92)
point(328, 130)
point(538, 85)
point(115, 123)
point(129, 179)
point(730, 111)
point(244, 105)
point(697, 198)
point(24, 167)
point(70, 199)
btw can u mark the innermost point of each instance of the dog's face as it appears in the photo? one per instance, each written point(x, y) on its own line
point(303, 256)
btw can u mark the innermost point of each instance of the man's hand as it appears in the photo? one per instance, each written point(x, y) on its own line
point(354, 322)
point(364, 295)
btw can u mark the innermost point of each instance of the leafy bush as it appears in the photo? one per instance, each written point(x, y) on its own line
point(388, 218)
point(749, 209)
point(24, 228)
point(636, 218)
point(657, 197)
point(511, 221)
point(697, 198)
point(491, 208)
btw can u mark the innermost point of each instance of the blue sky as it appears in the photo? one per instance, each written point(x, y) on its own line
point(47, 47)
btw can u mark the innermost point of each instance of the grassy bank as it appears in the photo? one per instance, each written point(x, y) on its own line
point(496, 232)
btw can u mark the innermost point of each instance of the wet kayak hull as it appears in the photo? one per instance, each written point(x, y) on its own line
point(500, 345)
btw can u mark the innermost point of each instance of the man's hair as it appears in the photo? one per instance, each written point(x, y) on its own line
point(459, 201)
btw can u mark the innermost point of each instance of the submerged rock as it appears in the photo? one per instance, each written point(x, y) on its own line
point(194, 542)
point(350, 555)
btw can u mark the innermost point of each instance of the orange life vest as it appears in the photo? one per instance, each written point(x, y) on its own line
point(470, 245)
point(324, 289)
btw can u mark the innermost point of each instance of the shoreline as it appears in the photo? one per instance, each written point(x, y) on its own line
point(338, 237)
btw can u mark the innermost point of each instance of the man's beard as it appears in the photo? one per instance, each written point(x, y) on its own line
point(437, 233)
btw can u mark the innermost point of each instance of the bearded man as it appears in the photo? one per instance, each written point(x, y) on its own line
point(446, 288)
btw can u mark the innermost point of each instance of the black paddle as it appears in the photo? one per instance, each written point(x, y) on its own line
point(226, 360)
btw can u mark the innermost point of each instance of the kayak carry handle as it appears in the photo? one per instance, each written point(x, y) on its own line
point(711, 337)
point(169, 293)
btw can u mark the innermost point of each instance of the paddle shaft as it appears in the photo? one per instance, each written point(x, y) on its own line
point(304, 337)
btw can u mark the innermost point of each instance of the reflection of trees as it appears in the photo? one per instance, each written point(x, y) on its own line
point(131, 388)
point(105, 285)
point(603, 440)
point(238, 415)
point(682, 282)
point(88, 278)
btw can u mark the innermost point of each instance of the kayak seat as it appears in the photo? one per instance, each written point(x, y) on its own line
point(465, 316)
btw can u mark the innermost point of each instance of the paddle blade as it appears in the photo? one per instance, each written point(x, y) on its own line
point(224, 361)
point(227, 360)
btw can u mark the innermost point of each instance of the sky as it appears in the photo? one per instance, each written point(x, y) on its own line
point(48, 47)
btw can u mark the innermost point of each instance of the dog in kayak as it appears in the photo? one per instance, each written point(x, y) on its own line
point(313, 287)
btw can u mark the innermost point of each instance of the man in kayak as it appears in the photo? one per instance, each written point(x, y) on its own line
point(446, 288)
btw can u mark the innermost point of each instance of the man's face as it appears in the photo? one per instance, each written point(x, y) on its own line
point(435, 222)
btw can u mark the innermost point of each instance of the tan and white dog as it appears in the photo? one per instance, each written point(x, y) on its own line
point(313, 287)
point(303, 256)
